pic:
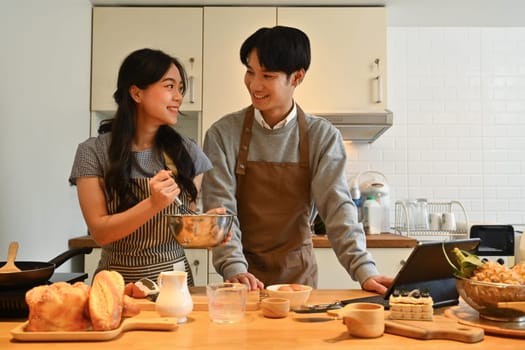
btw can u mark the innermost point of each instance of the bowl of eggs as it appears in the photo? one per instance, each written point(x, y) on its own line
point(298, 294)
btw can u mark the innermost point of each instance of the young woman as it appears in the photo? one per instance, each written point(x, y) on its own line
point(123, 186)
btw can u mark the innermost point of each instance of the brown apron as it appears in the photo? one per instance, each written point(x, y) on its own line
point(273, 202)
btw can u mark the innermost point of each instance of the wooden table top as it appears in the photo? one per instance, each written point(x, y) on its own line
point(258, 332)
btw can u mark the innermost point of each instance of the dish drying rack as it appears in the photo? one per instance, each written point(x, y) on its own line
point(403, 227)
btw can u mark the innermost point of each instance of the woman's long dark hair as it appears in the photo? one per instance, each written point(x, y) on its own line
point(142, 68)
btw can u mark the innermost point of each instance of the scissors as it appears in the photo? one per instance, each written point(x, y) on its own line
point(308, 309)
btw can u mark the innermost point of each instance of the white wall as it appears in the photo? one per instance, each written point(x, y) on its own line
point(44, 113)
point(458, 96)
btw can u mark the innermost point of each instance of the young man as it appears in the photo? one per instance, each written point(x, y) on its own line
point(273, 165)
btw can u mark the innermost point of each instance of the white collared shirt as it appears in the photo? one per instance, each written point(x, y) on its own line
point(259, 118)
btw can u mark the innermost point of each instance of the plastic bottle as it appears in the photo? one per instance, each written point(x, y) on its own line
point(372, 216)
point(356, 197)
point(384, 201)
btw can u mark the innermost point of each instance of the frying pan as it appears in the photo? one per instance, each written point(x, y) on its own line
point(34, 272)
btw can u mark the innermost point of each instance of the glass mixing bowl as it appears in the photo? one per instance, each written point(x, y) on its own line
point(494, 301)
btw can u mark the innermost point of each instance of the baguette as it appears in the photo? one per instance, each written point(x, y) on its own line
point(106, 300)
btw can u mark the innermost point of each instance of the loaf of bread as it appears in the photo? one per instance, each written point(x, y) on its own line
point(106, 300)
point(58, 307)
point(64, 307)
point(130, 307)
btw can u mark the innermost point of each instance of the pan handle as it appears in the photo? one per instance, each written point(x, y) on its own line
point(65, 256)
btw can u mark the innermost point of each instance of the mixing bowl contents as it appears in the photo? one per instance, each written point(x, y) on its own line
point(496, 291)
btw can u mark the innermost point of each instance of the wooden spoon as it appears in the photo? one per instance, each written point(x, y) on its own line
point(10, 266)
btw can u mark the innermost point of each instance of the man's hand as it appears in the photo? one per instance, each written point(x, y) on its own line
point(378, 284)
point(247, 278)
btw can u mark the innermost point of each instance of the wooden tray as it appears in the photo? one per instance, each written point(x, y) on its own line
point(466, 315)
point(439, 328)
point(128, 324)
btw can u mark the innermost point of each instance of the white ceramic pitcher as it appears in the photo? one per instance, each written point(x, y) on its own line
point(174, 299)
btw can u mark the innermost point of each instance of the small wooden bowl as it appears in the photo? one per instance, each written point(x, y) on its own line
point(275, 307)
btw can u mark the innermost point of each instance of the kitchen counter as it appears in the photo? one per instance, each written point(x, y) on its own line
point(383, 240)
point(257, 332)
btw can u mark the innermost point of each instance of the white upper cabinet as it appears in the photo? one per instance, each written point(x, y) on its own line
point(225, 29)
point(343, 76)
point(346, 43)
point(118, 31)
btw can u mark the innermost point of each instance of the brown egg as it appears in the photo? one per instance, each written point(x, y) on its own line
point(286, 288)
point(296, 287)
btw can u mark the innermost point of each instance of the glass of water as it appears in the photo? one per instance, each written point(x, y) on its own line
point(226, 301)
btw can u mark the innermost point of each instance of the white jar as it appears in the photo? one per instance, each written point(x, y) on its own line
point(384, 202)
point(372, 216)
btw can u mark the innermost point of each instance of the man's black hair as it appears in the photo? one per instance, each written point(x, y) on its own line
point(279, 49)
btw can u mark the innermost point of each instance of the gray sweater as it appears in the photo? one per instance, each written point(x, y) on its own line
point(329, 188)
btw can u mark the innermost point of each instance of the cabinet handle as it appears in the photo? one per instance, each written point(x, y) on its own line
point(196, 263)
point(379, 89)
point(190, 82)
point(379, 82)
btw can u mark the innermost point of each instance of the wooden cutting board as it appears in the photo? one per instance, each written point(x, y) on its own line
point(439, 328)
point(200, 300)
point(155, 324)
point(466, 315)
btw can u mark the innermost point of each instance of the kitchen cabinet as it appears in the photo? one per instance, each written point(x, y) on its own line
point(389, 251)
point(346, 42)
point(118, 31)
point(91, 264)
point(225, 29)
point(213, 275)
point(333, 276)
point(197, 258)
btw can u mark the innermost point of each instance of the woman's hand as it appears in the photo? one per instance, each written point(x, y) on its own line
point(163, 189)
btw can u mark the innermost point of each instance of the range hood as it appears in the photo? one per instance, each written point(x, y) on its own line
point(360, 126)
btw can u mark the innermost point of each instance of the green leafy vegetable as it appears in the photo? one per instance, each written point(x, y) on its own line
point(468, 262)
